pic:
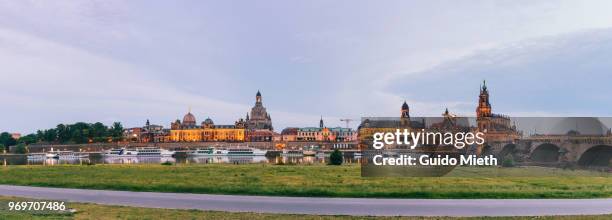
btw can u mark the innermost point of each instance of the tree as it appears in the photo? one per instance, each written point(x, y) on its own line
point(20, 149)
point(116, 131)
point(63, 134)
point(2, 148)
point(28, 139)
point(335, 158)
point(7, 140)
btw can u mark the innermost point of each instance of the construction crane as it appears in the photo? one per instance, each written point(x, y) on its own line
point(347, 121)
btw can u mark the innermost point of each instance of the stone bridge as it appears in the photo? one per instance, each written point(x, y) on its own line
point(586, 151)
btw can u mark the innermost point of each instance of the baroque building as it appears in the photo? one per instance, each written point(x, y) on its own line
point(188, 130)
point(256, 127)
point(496, 127)
point(259, 123)
point(259, 117)
point(324, 134)
point(150, 133)
point(369, 126)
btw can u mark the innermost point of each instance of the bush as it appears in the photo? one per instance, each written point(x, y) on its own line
point(335, 158)
point(167, 163)
point(508, 161)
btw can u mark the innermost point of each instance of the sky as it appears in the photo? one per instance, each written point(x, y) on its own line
point(129, 61)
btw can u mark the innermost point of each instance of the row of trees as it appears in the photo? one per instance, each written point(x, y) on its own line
point(77, 133)
point(80, 133)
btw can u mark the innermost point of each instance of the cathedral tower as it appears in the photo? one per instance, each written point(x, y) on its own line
point(259, 117)
point(405, 115)
point(484, 107)
point(405, 112)
point(321, 122)
point(258, 97)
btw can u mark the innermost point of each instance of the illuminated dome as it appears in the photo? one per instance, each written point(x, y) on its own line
point(580, 125)
point(189, 119)
point(208, 121)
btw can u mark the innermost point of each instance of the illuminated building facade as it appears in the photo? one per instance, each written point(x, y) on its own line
point(256, 127)
point(189, 131)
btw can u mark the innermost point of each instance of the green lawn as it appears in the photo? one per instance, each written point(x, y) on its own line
point(306, 180)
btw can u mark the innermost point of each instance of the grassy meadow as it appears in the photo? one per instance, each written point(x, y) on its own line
point(306, 180)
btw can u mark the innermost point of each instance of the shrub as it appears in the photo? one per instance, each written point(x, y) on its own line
point(335, 158)
point(508, 161)
point(167, 163)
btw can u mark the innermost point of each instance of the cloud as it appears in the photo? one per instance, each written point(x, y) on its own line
point(46, 83)
point(566, 74)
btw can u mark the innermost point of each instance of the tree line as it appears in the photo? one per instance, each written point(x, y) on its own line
point(77, 133)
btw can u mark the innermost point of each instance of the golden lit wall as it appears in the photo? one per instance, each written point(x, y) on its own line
point(207, 134)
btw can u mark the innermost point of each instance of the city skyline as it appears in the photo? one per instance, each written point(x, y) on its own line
point(120, 61)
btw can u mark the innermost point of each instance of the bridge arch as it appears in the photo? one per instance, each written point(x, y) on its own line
point(509, 149)
point(599, 155)
point(546, 152)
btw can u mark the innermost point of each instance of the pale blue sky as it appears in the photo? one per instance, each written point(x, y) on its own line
point(128, 61)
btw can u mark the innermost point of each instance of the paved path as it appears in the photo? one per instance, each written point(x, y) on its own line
point(322, 206)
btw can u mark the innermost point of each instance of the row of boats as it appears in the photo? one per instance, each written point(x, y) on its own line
point(158, 152)
point(150, 152)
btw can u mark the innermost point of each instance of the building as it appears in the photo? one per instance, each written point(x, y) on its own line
point(289, 134)
point(322, 133)
point(257, 127)
point(259, 123)
point(259, 119)
point(369, 126)
point(496, 127)
point(149, 133)
point(16, 135)
point(189, 131)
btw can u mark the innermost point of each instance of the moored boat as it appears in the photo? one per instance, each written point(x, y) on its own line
point(228, 152)
point(37, 156)
point(139, 152)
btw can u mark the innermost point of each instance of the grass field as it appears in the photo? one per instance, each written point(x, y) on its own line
point(304, 180)
point(93, 211)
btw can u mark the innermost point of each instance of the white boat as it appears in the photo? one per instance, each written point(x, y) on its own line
point(51, 154)
point(64, 155)
point(228, 152)
point(71, 155)
point(292, 153)
point(139, 152)
point(309, 152)
point(37, 156)
point(114, 152)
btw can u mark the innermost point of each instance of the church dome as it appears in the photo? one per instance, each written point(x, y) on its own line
point(208, 121)
point(189, 119)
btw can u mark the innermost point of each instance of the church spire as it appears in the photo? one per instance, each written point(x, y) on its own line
point(405, 110)
point(258, 97)
point(484, 85)
point(484, 107)
point(321, 122)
